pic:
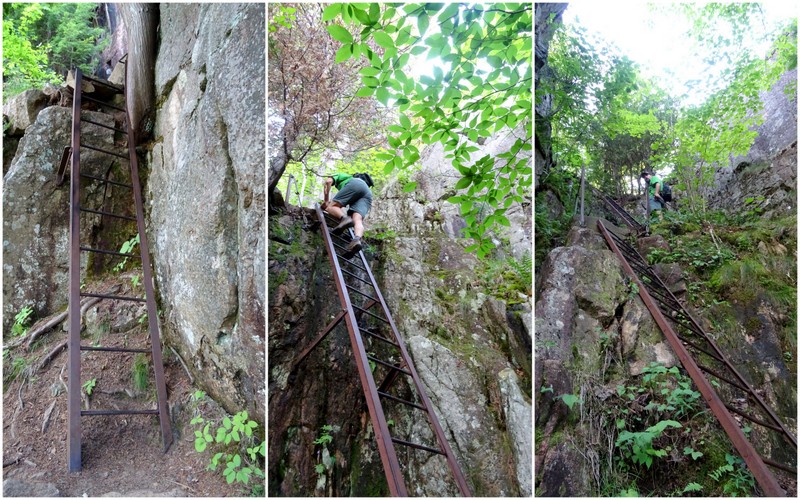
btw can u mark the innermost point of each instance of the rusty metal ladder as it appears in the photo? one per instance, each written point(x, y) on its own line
point(694, 346)
point(362, 337)
point(620, 213)
point(74, 412)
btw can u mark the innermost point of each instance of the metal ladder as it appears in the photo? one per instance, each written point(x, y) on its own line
point(74, 412)
point(364, 338)
point(701, 357)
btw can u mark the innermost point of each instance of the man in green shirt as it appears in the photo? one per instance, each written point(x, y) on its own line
point(654, 192)
point(354, 192)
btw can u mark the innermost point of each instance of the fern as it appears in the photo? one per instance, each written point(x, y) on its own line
point(524, 269)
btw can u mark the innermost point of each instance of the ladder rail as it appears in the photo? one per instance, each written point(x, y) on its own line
point(391, 465)
point(74, 353)
point(152, 312)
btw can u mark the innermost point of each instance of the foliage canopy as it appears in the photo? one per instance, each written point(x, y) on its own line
point(42, 41)
point(479, 86)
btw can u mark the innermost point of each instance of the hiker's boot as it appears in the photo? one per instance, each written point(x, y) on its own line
point(353, 247)
point(345, 223)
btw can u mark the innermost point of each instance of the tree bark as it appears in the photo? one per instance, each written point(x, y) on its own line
point(545, 28)
point(141, 21)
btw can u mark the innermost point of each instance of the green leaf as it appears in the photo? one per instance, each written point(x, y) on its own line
point(419, 49)
point(382, 94)
point(369, 71)
point(200, 444)
point(409, 187)
point(382, 39)
point(331, 11)
point(344, 53)
point(339, 33)
point(692, 487)
point(463, 183)
point(365, 92)
point(569, 399)
point(422, 24)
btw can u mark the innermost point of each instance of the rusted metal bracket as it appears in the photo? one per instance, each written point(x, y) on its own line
point(319, 338)
point(755, 463)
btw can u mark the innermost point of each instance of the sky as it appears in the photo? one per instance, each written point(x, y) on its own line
point(659, 43)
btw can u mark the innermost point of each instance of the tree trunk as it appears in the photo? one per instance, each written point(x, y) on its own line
point(141, 21)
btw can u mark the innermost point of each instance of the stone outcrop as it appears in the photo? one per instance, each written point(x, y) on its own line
point(767, 174)
point(205, 195)
point(583, 307)
point(21, 110)
point(36, 212)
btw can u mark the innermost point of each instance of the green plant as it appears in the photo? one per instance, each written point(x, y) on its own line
point(135, 280)
point(127, 247)
point(734, 477)
point(22, 321)
point(89, 385)
point(140, 372)
point(325, 436)
point(638, 446)
point(235, 443)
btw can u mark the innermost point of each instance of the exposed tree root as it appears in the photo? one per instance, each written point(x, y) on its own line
point(191, 379)
point(50, 356)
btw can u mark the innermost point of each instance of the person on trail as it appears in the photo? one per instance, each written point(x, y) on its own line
point(354, 192)
point(654, 194)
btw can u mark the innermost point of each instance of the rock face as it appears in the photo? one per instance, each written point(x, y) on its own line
point(768, 172)
point(471, 350)
point(36, 212)
point(206, 195)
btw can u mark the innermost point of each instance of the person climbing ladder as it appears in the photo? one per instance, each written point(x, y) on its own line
point(354, 192)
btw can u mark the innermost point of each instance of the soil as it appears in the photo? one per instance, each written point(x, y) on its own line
point(121, 455)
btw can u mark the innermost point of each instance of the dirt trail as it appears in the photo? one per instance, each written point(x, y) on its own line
point(121, 455)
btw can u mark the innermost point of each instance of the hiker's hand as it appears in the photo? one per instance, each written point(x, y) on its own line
point(324, 205)
point(659, 198)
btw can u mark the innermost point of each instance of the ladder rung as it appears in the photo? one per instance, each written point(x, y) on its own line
point(90, 413)
point(112, 349)
point(377, 336)
point(110, 252)
point(348, 261)
point(361, 293)
point(103, 125)
point(356, 277)
point(105, 83)
point(101, 150)
point(103, 103)
point(373, 315)
point(409, 403)
point(417, 446)
point(90, 210)
point(107, 181)
point(388, 365)
point(113, 297)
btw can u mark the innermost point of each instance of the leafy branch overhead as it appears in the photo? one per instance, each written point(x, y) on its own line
point(479, 87)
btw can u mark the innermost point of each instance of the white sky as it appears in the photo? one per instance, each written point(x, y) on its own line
point(659, 43)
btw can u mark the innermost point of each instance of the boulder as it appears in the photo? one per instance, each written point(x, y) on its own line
point(206, 196)
point(22, 110)
point(20, 488)
point(36, 212)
